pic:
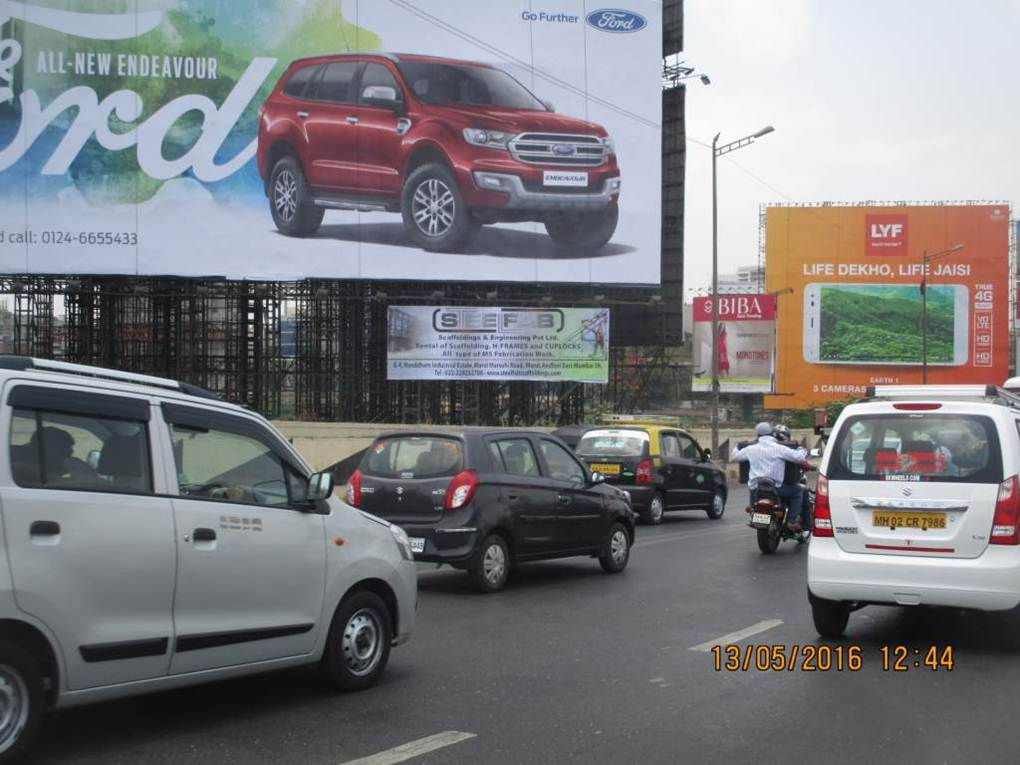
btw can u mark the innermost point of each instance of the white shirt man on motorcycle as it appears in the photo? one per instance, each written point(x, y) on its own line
point(768, 458)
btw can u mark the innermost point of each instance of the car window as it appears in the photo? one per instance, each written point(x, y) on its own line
point(561, 465)
point(414, 457)
point(518, 456)
point(375, 76)
point(688, 449)
point(614, 443)
point(67, 451)
point(335, 83)
point(669, 445)
point(298, 82)
point(230, 467)
point(917, 447)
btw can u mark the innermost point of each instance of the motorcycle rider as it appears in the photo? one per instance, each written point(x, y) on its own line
point(794, 473)
point(768, 458)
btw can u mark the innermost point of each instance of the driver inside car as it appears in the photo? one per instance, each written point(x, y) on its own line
point(767, 458)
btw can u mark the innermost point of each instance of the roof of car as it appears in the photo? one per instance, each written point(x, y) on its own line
point(394, 57)
point(461, 433)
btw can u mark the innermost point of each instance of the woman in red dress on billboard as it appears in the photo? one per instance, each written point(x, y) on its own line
point(724, 357)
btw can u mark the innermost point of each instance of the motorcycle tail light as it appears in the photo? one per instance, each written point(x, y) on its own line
point(823, 514)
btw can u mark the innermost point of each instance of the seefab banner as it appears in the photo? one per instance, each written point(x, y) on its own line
point(744, 345)
point(874, 295)
point(464, 343)
point(284, 139)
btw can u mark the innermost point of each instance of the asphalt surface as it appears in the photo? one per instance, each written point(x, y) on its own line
point(571, 664)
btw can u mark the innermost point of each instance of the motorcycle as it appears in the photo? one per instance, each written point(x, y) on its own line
point(768, 513)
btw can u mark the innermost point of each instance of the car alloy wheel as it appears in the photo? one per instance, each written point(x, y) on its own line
point(656, 509)
point(361, 644)
point(618, 544)
point(494, 564)
point(285, 196)
point(14, 706)
point(433, 207)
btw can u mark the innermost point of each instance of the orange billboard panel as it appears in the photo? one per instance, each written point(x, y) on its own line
point(871, 295)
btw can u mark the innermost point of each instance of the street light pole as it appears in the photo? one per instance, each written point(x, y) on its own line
point(925, 260)
point(718, 151)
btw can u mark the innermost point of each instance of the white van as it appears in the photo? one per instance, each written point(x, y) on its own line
point(155, 537)
point(917, 503)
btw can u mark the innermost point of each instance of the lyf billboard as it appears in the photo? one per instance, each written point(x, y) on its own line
point(466, 343)
point(747, 329)
point(851, 312)
point(281, 139)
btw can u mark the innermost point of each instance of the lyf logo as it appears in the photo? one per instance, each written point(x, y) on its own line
point(885, 234)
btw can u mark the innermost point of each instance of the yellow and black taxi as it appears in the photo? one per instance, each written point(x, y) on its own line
point(662, 468)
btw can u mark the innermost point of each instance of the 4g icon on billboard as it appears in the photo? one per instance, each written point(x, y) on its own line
point(885, 234)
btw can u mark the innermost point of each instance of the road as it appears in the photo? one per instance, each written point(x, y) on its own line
point(571, 664)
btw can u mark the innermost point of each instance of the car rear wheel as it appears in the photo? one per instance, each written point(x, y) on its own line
point(22, 700)
point(768, 541)
point(491, 566)
point(830, 617)
point(290, 200)
point(718, 507)
point(358, 645)
point(435, 215)
point(615, 549)
point(652, 515)
point(583, 230)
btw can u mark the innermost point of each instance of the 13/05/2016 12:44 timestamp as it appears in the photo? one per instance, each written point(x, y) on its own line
point(827, 658)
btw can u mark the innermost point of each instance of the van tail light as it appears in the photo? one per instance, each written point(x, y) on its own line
point(1006, 524)
point(823, 514)
point(461, 489)
point(354, 489)
point(643, 474)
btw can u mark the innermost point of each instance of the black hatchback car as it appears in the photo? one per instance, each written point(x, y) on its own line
point(481, 500)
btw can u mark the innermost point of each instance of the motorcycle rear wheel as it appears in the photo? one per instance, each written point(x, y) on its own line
point(768, 541)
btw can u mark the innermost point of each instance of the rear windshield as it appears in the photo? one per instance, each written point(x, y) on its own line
point(414, 457)
point(954, 448)
point(614, 443)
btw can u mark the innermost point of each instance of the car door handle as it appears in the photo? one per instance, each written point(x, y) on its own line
point(302, 114)
point(352, 120)
point(204, 535)
point(562, 499)
point(44, 529)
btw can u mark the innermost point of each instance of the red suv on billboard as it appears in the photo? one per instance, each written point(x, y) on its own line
point(449, 144)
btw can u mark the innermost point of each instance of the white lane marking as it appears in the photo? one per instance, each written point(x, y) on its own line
point(737, 636)
point(413, 749)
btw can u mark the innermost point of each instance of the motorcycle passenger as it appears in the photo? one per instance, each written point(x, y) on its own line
point(768, 458)
point(794, 473)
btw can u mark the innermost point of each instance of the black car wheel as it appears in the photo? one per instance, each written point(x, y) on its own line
point(491, 566)
point(583, 230)
point(652, 515)
point(830, 617)
point(718, 507)
point(22, 700)
point(358, 645)
point(290, 200)
point(435, 215)
point(615, 549)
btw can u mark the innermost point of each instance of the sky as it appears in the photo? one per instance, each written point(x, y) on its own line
point(881, 100)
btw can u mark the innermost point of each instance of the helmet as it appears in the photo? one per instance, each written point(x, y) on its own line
point(781, 432)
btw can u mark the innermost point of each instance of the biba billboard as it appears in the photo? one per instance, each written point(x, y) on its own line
point(850, 308)
point(282, 140)
point(744, 343)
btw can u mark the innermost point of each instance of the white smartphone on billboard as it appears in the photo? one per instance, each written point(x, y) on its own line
point(880, 324)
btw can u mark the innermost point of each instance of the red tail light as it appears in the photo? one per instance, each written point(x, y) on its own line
point(1006, 524)
point(354, 489)
point(461, 490)
point(823, 515)
point(643, 474)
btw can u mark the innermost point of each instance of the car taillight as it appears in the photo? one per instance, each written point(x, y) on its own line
point(354, 489)
point(643, 474)
point(823, 515)
point(461, 490)
point(1006, 524)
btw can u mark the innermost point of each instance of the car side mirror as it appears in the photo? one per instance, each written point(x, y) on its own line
point(706, 455)
point(320, 486)
point(597, 477)
point(384, 96)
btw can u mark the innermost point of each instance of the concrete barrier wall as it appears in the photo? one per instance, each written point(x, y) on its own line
point(326, 443)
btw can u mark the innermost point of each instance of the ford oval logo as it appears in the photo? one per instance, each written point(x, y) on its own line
point(616, 20)
point(562, 149)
